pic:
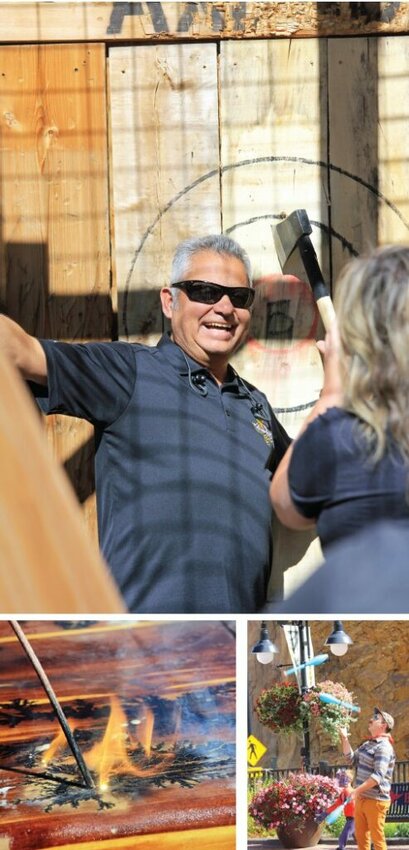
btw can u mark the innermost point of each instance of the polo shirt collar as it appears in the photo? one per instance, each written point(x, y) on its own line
point(182, 362)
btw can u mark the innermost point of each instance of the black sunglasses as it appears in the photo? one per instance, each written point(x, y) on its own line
point(211, 293)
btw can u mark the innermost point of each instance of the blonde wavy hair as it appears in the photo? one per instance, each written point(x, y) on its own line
point(372, 306)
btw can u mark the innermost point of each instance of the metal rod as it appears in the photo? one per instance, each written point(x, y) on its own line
point(41, 774)
point(54, 702)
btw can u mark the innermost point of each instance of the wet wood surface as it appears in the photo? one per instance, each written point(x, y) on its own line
point(152, 709)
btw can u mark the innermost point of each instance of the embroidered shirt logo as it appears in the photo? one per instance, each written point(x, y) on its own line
point(263, 428)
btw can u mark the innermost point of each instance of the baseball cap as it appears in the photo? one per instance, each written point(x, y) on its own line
point(387, 717)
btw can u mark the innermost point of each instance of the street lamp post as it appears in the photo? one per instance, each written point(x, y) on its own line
point(304, 641)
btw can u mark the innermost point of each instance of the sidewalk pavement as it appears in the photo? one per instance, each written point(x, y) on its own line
point(324, 844)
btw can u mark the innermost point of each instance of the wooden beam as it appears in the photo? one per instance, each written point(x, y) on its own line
point(118, 21)
point(48, 562)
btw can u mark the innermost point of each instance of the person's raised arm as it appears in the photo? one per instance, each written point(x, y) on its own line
point(331, 395)
point(23, 350)
point(347, 750)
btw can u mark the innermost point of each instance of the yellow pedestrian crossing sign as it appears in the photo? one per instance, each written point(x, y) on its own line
point(255, 750)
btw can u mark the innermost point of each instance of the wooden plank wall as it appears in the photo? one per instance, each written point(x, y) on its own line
point(216, 115)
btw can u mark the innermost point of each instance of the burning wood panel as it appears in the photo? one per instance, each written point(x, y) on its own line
point(152, 709)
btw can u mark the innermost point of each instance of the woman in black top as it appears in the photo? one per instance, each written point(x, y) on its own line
point(349, 465)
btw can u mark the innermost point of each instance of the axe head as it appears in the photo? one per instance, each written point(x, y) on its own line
point(288, 232)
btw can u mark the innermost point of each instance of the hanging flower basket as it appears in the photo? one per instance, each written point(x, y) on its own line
point(279, 707)
point(283, 709)
point(329, 717)
point(295, 807)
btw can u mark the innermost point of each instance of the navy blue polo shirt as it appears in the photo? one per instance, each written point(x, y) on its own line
point(184, 515)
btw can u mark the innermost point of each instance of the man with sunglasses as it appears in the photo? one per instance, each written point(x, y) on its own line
point(184, 446)
point(374, 762)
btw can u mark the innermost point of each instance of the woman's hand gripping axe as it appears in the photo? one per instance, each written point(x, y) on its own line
point(293, 245)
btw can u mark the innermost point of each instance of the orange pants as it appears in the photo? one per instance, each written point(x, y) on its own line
point(369, 823)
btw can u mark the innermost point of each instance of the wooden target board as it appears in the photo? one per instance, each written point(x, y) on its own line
point(152, 709)
point(210, 118)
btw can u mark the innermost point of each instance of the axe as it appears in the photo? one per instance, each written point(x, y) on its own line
point(293, 243)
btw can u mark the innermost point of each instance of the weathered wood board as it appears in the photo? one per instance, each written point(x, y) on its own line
point(393, 112)
point(55, 229)
point(368, 88)
point(164, 127)
point(152, 708)
point(48, 563)
point(274, 160)
point(113, 21)
point(354, 121)
point(273, 136)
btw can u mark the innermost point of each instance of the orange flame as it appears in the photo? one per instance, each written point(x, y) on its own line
point(110, 756)
point(57, 744)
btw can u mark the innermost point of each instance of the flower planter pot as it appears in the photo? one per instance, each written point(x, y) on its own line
point(304, 834)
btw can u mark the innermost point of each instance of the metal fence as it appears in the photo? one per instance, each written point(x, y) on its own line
point(257, 774)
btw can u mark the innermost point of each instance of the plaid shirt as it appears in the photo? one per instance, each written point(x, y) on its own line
point(375, 758)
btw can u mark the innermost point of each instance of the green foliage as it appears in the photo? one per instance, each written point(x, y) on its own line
point(400, 830)
point(335, 828)
point(390, 830)
point(254, 829)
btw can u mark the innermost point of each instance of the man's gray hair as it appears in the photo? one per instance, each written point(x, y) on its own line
point(219, 243)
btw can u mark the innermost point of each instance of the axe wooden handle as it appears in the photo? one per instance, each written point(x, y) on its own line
point(319, 288)
point(326, 310)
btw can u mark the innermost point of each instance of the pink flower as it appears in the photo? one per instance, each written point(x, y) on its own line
point(293, 799)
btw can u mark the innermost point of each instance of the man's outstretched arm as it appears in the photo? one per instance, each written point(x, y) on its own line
point(23, 350)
